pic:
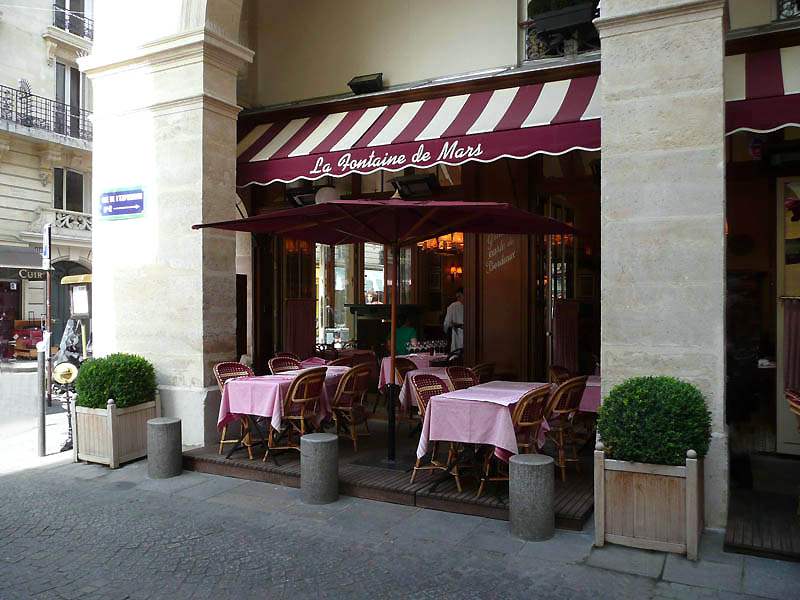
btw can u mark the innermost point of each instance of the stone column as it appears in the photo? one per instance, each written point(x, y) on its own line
point(164, 76)
point(663, 205)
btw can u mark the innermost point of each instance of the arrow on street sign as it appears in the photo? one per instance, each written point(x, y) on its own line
point(122, 203)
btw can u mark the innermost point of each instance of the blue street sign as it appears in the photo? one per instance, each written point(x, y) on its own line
point(122, 204)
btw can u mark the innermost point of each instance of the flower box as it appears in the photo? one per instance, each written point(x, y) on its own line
point(111, 435)
point(655, 507)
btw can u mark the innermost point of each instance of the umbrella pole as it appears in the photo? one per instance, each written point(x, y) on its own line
point(392, 390)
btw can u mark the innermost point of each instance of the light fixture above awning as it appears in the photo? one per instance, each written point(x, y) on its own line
point(762, 90)
point(549, 118)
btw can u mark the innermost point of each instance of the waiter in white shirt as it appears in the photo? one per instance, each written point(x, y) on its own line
point(454, 321)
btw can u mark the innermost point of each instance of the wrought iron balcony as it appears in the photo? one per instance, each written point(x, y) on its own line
point(74, 22)
point(37, 112)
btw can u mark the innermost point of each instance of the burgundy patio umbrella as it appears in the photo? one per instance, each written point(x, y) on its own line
point(395, 223)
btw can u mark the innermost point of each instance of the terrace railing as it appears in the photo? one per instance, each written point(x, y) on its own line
point(37, 112)
point(74, 22)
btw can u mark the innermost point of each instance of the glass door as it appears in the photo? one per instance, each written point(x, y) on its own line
point(788, 305)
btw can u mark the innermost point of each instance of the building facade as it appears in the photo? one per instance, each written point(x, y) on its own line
point(45, 150)
point(659, 199)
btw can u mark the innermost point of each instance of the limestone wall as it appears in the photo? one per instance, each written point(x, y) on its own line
point(663, 205)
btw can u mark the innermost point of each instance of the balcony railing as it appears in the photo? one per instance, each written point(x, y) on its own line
point(43, 113)
point(74, 22)
point(67, 219)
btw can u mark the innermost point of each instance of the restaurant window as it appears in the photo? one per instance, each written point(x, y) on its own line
point(562, 255)
point(404, 277)
point(788, 9)
point(68, 193)
point(334, 271)
point(373, 273)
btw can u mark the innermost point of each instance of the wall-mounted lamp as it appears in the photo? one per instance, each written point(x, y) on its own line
point(456, 271)
point(366, 84)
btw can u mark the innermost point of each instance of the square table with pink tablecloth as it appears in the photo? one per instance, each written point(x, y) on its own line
point(422, 361)
point(264, 396)
point(590, 401)
point(479, 414)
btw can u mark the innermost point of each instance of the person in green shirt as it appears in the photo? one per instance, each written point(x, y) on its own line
point(405, 334)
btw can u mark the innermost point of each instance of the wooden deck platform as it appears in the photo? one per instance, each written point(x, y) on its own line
point(763, 524)
point(573, 500)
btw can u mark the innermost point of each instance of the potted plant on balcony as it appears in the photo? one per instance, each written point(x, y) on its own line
point(116, 395)
point(648, 473)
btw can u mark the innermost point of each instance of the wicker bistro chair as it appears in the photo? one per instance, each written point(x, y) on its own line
point(224, 372)
point(281, 364)
point(288, 355)
point(528, 415)
point(299, 408)
point(793, 400)
point(348, 403)
point(425, 387)
point(345, 361)
point(563, 407)
point(484, 372)
point(462, 377)
point(557, 374)
point(402, 366)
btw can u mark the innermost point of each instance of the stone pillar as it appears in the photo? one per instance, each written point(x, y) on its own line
point(319, 468)
point(663, 205)
point(530, 495)
point(164, 78)
point(164, 448)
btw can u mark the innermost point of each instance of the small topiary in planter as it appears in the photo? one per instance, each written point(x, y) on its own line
point(648, 467)
point(654, 420)
point(127, 378)
point(116, 397)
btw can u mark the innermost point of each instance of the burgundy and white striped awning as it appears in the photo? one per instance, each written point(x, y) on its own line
point(517, 122)
point(762, 90)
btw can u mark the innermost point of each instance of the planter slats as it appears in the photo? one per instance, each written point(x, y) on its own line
point(655, 507)
point(112, 435)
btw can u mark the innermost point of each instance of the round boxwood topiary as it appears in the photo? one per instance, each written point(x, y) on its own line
point(127, 378)
point(654, 420)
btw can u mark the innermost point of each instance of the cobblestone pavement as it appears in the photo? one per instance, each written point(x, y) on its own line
point(83, 531)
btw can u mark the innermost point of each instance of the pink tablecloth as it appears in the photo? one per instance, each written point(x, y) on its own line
point(421, 360)
point(263, 396)
point(314, 361)
point(475, 415)
point(407, 396)
point(590, 401)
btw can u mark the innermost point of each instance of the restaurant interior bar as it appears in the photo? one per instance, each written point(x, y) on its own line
point(531, 303)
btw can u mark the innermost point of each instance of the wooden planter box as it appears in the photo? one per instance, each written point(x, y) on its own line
point(112, 436)
point(655, 507)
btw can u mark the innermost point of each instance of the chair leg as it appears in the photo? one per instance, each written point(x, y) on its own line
point(562, 456)
point(270, 443)
point(354, 435)
point(248, 440)
point(222, 439)
point(486, 466)
point(416, 466)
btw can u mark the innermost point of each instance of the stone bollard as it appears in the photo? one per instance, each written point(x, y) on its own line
point(531, 497)
point(319, 468)
point(164, 448)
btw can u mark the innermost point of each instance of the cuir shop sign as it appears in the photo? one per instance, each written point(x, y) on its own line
point(32, 274)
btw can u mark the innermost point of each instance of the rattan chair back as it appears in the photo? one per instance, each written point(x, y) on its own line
point(425, 387)
point(557, 374)
point(352, 387)
point(304, 393)
point(484, 372)
point(280, 364)
point(566, 398)
point(225, 371)
point(462, 377)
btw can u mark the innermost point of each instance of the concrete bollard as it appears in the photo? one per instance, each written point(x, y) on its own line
point(319, 468)
point(164, 448)
point(531, 497)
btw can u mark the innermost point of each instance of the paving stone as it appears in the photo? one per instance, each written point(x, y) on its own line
point(627, 560)
point(171, 485)
point(436, 525)
point(703, 573)
point(212, 486)
point(563, 547)
point(771, 578)
point(711, 549)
